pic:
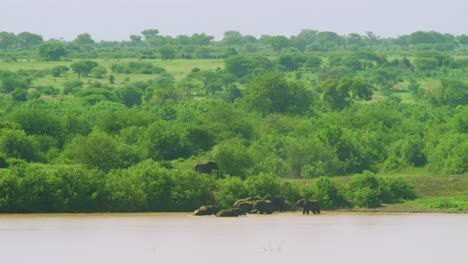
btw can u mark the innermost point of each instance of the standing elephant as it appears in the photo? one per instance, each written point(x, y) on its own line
point(262, 207)
point(233, 212)
point(206, 210)
point(206, 167)
point(308, 205)
point(278, 203)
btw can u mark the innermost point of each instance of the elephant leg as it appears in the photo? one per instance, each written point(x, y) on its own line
point(303, 211)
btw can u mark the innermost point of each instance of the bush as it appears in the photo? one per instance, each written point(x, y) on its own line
point(368, 190)
point(192, 190)
point(57, 71)
point(72, 86)
point(329, 193)
point(233, 158)
point(263, 184)
point(364, 190)
point(230, 189)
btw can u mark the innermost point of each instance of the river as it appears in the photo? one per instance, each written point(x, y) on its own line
point(278, 238)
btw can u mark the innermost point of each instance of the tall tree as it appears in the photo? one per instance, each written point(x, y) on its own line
point(135, 39)
point(28, 40)
point(7, 40)
point(51, 50)
point(273, 93)
point(84, 39)
point(149, 33)
point(339, 94)
point(83, 67)
point(277, 42)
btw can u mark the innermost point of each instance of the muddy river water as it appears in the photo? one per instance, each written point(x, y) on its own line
point(278, 238)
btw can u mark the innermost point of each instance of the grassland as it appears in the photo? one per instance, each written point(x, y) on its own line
point(436, 193)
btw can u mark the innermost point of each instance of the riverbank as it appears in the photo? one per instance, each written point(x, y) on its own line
point(436, 194)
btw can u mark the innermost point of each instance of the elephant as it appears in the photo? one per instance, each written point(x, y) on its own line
point(246, 206)
point(233, 212)
point(206, 167)
point(308, 205)
point(279, 204)
point(206, 210)
point(262, 207)
point(248, 199)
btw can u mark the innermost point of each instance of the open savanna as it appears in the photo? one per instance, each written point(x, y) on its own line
point(178, 68)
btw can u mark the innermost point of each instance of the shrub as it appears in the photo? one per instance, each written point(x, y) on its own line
point(230, 189)
point(263, 184)
point(329, 193)
point(72, 86)
point(57, 71)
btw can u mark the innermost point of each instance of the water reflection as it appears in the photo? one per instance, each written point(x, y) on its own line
point(279, 238)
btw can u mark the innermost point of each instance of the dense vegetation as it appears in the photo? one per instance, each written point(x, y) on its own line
point(115, 126)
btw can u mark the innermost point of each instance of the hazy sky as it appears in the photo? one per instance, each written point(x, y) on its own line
point(117, 19)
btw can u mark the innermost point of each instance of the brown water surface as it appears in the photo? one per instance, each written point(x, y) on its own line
point(278, 238)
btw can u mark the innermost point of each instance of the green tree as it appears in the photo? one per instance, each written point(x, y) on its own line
point(233, 158)
point(230, 189)
point(291, 61)
point(97, 150)
point(136, 40)
point(28, 40)
point(131, 95)
point(167, 52)
point(51, 50)
point(449, 92)
point(329, 193)
point(7, 40)
point(16, 144)
point(84, 39)
point(83, 67)
point(12, 80)
point(239, 65)
point(57, 71)
point(232, 38)
point(278, 43)
point(149, 34)
point(337, 95)
point(273, 93)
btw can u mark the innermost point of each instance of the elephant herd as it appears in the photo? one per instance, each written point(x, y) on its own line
point(254, 205)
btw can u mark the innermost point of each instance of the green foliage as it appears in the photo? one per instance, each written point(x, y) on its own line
point(98, 150)
point(72, 86)
point(233, 158)
point(364, 190)
point(16, 144)
point(10, 81)
point(262, 185)
point(167, 52)
point(329, 193)
point(51, 50)
point(7, 40)
point(57, 71)
point(291, 61)
point(131, 144)
point(230, 189)
point(369, 191)
point(449, 154)
point(83, 67)
point(273, 93)
point(337, 95)
point(449, 92)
